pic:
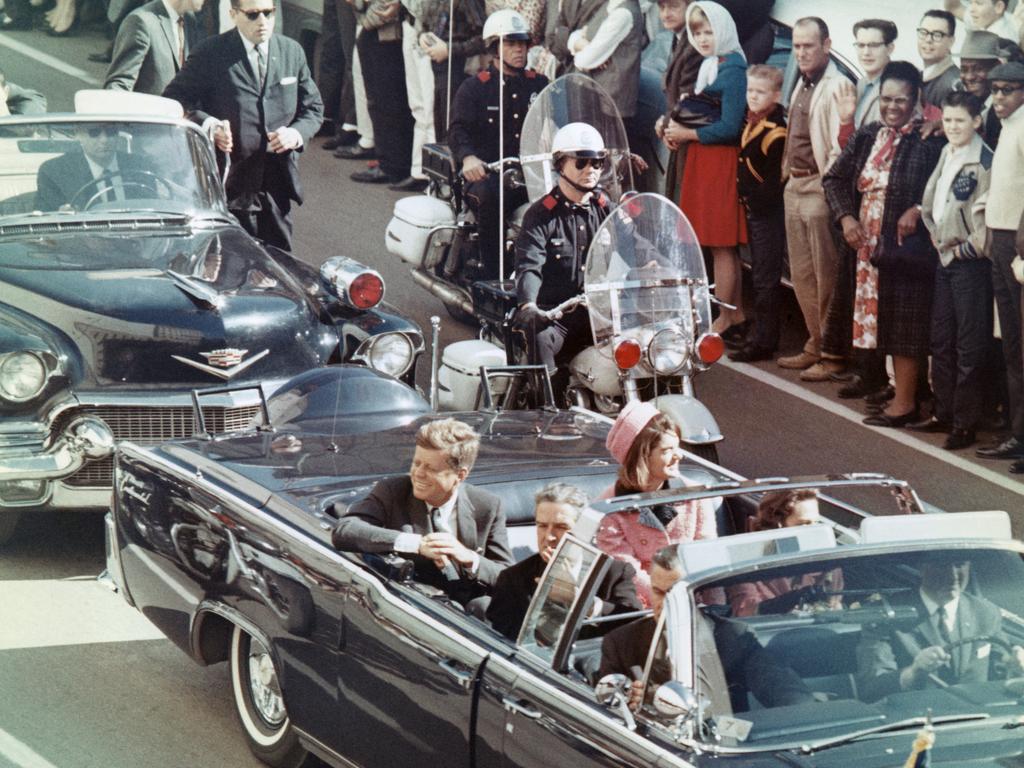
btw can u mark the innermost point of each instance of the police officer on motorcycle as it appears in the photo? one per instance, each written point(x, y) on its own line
point(473, 135)
point(551, 250)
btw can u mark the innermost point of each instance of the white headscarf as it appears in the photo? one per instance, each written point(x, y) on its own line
point(727, 40)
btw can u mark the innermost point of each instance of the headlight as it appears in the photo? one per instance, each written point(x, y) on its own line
point(668, 351)
point(390, 353)
point(22, 376)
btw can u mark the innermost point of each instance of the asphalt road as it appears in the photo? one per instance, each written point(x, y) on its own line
point(86, 681)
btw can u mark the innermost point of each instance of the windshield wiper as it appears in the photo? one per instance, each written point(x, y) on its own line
point(900, 725)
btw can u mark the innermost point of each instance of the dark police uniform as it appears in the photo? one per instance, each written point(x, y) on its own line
point(551, 251)
point(474, 131)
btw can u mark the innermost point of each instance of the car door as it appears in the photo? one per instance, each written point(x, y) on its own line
point(407, 677)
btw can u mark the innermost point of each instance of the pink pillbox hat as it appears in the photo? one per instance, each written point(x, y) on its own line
point(630, 423)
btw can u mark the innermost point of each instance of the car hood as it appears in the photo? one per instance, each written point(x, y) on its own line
point(172, 308)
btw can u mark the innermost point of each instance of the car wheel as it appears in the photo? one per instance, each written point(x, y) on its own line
point(707, 451)
point(8, 524)
point(260, 704)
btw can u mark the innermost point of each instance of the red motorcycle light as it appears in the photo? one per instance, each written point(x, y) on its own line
point(710, 348)
point(627, 354)
point(366, 291)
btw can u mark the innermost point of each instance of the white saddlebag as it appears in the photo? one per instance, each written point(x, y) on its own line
point(410, 224)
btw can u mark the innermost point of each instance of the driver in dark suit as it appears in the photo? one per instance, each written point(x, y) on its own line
point(558, 506)
point(454, 532)
point(949, 642)
point(97, 167)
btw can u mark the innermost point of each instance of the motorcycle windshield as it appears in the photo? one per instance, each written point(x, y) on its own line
point(644, 273)
point(573, 98)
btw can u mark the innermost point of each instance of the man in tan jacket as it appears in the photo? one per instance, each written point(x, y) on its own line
point(812, 146)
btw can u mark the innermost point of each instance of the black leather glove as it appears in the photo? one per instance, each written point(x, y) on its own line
point(530, 314)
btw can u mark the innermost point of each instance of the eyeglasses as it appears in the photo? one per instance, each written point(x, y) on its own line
point(869, 46)
point(253, 15)
point(594, 162)
point(101, 130)
point(935, 35)
point(1005, 90)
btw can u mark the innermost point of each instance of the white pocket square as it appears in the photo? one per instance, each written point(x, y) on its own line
point(289, 80)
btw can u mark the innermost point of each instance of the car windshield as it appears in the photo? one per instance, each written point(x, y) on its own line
point(816, 652)
point(95, 169)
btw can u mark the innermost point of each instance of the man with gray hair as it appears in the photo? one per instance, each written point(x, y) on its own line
point(455, 533)
point(557, 507)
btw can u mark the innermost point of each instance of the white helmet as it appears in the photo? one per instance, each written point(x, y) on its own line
point(577, 140)
point(507, 24)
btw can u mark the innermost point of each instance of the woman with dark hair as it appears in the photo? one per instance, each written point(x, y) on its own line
point(645, 442)
point(874, 190)
point(786, 509)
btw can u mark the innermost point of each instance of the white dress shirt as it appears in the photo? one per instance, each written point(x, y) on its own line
point(112, 171)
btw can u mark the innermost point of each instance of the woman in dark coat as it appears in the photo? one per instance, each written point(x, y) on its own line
point(874, 190)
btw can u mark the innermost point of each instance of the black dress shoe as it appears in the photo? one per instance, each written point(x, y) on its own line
point(735, 336)
point(339, 140)
point(751, 353)
point(883, 395)
point(1017, 468)
point(932, 425)
point(356, 153)
point(1011, 448)
point(372, 176)
point(885, 420)
point(859, 388)
point(8, 23)
point(959, 438)
point(408, 184)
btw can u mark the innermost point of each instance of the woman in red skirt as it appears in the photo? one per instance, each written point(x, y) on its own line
point(708, 194)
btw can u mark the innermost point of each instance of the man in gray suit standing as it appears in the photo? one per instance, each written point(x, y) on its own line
point(152, 45)
point(455, 533)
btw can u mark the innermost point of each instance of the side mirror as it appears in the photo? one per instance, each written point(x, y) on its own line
point(613, 692)
point(675, 700)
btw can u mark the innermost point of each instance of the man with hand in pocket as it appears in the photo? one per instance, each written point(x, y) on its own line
point(252, 92)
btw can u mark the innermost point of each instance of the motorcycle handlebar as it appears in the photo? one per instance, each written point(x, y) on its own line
point(556, 313)
point(496, 166)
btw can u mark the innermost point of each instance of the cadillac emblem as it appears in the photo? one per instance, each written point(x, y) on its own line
point(223, 363)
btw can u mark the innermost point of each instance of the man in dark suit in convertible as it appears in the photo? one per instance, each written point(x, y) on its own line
point(558, 506)
point(454, 532)
point(252, 91)
point(96, 172)
point(949, 641)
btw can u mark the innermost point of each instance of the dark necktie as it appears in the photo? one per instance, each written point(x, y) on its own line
point(261, 67)
point(438, 522)
point(943, 629)
point(181, 41)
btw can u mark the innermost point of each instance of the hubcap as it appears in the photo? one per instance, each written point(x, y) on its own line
point(263, 685)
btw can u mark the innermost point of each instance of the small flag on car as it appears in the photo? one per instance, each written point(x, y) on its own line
point(920, 753)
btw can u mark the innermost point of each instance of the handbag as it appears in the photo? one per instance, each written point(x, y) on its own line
point(697, 111)
point(915, 255)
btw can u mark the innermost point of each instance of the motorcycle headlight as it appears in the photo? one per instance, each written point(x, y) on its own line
point(390, 353)
point(22, 376)
point(668, 351)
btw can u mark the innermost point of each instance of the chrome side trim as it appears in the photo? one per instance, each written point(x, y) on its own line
point(385, 595)
point(113, 551)
point(321, 750)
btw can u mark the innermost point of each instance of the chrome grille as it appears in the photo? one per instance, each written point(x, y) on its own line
point(148, 425)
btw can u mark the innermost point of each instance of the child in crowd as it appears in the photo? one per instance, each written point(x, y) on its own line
point(708, 194)
point(759, 183)
point(962, 309)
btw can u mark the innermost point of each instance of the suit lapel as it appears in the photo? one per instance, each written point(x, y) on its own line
point(273, 62)
point(418, 517)
point(465, 520)
point(167, 27)
point(240, 60)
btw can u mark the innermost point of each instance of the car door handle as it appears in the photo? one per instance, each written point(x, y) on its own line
point(520, 707)
point(464, 676)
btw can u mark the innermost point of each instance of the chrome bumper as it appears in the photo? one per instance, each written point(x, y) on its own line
point(84, 438)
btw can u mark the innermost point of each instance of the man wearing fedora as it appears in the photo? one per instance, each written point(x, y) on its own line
point(979, 54)
point(1002, 216)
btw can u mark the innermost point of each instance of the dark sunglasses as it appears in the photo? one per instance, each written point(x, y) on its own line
point(253, 15)
point(100, 130)
point(1005, 90)
point(594, 162)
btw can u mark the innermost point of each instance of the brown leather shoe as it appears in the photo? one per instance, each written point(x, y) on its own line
point(822, 370)
point(798, 362)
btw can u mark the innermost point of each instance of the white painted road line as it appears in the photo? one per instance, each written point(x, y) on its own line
point(51, 61)
point(22, 755)
point(41, 614)
point(897, 435)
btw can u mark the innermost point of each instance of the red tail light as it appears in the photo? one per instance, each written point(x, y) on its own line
point(627, 354)
point(710, 348)
point(366, 291)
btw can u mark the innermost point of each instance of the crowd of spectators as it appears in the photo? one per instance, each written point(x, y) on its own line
point(897, 198)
